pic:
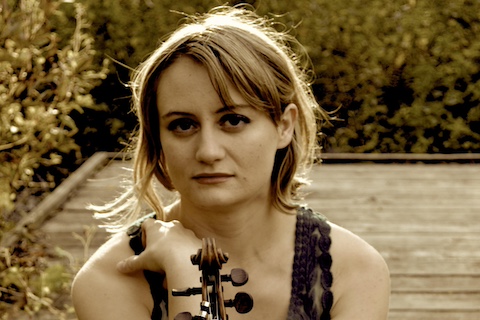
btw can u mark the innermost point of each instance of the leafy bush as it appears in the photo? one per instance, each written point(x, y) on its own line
point(405, 74)
point(30, 285)
point(126, 32)
point(43, 79)
point(41, 83)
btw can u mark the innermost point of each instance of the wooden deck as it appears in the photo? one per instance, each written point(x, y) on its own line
point(423, 218)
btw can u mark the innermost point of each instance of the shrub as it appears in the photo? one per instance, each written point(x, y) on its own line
point(41, 84)
point(43, 78)
point(405, 74)
point(31, 286)
point(125, 32)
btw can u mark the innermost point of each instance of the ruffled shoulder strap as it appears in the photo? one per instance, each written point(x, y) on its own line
point(155, 280)
point(311, 278)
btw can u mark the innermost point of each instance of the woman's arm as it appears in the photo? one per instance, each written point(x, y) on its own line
point(100, 292)
point(168, 247)
point(361, 280)
point(111, 285)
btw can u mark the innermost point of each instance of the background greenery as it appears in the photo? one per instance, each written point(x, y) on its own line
point(43, 79)
point(402, 76)
point(405, 74)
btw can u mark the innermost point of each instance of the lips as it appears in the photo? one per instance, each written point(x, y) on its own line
point(212, 178)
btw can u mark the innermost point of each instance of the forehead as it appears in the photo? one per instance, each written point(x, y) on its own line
point(187, 83)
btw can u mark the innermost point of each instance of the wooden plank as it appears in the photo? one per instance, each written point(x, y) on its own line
point(72, 241)
point(424, 219)
point(77, 246)
point(398, 171)
point(433, 315)
point(430, 265)
point(465, 212)
point(81, 203)
point(390, 201)
point(47, 208)
point(402, 184)
point(378, 157)
point(452, 283)
point(452, 245)
point(436, 302)
point(68, 223)
point(404, 228)
point(405, 191)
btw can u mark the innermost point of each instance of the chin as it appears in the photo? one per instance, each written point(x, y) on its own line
point(218, 203)
point(223, 199)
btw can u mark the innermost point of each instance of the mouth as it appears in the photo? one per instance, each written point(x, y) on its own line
point(212, 178)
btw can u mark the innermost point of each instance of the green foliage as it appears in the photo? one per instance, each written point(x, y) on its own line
point(405, 73)
point(128, 31)
point(41, 84)
point(125, 32)
point(29, 285)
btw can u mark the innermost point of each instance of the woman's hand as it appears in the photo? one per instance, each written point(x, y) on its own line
point(167, 244)
point(168, 247)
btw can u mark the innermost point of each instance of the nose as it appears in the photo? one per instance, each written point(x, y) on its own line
point(210, 147)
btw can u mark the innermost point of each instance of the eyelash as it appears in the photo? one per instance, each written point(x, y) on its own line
point(236, 122)
point(175, 125)
point(236, 118)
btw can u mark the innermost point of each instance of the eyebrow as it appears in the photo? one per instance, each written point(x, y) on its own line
point(223, 109)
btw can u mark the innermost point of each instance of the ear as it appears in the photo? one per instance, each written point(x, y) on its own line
point(286, 126)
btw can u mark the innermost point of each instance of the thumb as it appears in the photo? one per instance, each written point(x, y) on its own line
point(130, 265)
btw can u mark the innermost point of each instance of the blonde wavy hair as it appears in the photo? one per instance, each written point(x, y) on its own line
point(268, 67)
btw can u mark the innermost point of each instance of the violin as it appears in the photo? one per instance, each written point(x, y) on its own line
point(213, 305)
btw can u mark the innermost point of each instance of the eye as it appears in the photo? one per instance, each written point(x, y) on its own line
point(183, 126)
point(234, 121)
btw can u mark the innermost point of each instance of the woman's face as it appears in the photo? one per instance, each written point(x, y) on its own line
point(216, 155)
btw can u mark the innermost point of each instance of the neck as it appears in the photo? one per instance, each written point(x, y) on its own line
point(235, 228)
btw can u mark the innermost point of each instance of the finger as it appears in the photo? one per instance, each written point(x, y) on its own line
point(144, 225)
point(130, 265)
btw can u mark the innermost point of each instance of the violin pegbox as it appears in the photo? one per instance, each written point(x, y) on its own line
point(212, 307)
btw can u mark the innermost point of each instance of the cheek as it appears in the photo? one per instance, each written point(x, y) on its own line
point(262, 155)
point(173, 156)
point(263, 144)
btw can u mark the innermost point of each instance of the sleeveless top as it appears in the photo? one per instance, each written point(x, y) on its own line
point(311, 297)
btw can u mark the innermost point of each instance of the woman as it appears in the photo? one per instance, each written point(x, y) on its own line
point(228, 121)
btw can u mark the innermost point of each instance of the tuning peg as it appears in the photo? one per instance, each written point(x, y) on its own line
point(243, 302)
point(183, 316)
point(237, 276)
point(204, 312)
point(188, 316)
point(186, 292)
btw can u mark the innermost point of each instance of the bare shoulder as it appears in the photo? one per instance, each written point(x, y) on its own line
point(99, 291)
point(361, 284)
